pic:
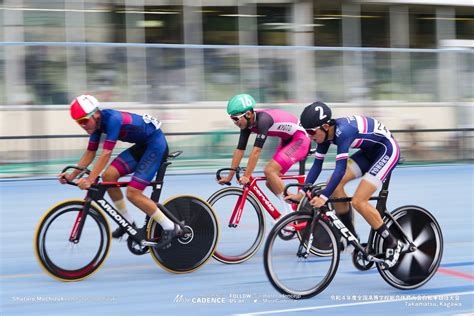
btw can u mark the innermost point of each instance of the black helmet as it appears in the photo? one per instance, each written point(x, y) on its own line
point(314, 115)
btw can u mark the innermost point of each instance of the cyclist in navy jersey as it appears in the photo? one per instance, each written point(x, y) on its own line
point(377, 156)
point(142, 159)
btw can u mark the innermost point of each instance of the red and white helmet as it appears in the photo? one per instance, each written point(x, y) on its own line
point(83, 107)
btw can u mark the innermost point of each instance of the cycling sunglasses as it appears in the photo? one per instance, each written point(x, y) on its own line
point(236, 118)
point(83, 120)
point(312, 131)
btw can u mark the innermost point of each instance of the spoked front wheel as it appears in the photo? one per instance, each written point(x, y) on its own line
point(190, 251)
point(64, 259)
point(237, 243)
point(291, 273)
point(414, 268)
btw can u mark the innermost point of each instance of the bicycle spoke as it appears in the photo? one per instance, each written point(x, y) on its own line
point(290, 272)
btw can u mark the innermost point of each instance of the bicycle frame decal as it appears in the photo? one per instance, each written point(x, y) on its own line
point(117, 217)
point(341, 227)
point(73, 235)
point(265, 202)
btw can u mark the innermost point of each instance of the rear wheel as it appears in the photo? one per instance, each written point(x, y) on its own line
point(190, 251)
point(66, 260)
point(414, 268)
point(237, 243)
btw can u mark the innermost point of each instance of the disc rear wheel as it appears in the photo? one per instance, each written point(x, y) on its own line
point(414, 268)
point(190, 251)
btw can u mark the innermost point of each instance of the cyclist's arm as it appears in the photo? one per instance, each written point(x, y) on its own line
point(264, 123)
point(317, 166)
point(90, 153)
point(240, 150)
point(100, 164)
point(253, 159)
point(236, 159)
point(338, 173)
point(112, 130)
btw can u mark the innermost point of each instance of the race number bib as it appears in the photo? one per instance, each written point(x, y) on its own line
point(147, 118)
point(379, 128)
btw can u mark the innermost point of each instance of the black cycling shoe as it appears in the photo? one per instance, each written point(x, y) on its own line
point(168, 235)
point(120, 231)
point(392, 255)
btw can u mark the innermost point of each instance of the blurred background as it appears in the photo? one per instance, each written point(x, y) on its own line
point(409, 63)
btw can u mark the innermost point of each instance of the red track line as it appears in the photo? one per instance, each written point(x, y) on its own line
point(456, 273)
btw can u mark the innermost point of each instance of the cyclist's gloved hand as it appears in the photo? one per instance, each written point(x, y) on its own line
point(65, 177)
point(84, 183)
point(294, 197)
point(318, 200)
point(244, 180)
point(225, 179)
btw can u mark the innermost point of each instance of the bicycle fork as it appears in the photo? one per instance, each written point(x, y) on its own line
point(303, 252)
point(79, 223)
point(238, 209)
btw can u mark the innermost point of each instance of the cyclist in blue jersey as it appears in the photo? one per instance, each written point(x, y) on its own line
point(143, 159)
point(377, 156)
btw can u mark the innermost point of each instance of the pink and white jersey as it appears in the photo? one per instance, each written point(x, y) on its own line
point(273, 123)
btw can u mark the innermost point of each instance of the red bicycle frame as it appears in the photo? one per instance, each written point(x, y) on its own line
point(262, 198)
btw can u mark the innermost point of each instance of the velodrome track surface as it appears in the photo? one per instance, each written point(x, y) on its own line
point(128, 284)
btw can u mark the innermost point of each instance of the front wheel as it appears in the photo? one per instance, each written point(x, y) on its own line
point(192, 250)
point(414, 268)
point(293, 274)
point(64, 259)
point(322, 244)
point(237, 243)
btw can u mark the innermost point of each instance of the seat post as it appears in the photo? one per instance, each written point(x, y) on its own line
point(160, 175)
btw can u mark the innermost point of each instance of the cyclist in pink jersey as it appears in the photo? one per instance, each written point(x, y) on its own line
point(294, 145)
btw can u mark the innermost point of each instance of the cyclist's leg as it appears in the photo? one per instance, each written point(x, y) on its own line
point(286, 155)
point(360, 201)
point(357, 165)
point(146, 169)
point(273, 171)
point(383, 165)
point(148, 162)
point(343, 207)
point(122, 165)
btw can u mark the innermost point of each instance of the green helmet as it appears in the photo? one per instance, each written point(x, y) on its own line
point(240, 103)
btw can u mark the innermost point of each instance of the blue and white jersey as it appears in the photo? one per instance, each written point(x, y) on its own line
point(366, 133)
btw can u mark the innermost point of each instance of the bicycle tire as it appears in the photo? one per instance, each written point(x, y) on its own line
point(321, 246)
point(282, 283)
point(44, 252)
point(413, 269)
point(229, 235)
point(187, 253)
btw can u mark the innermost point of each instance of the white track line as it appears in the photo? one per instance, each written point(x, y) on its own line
point(278, 311)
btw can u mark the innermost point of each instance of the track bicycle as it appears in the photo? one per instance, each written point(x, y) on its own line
point(240, 211)
point(73, 238)
point(296, 271)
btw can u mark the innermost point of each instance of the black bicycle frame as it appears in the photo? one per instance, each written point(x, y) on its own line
point(96, 194)
point(381, 207)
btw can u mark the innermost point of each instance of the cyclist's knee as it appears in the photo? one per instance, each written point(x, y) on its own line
point(339, 192)
point(111, 174)
point(133, 193)
point(268, 171)
point(359, 203)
